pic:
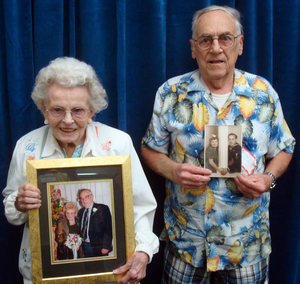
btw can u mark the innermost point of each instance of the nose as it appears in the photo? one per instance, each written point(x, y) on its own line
point(215, 45)
point(68, 117)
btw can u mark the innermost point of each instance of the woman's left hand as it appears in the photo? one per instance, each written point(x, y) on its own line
point(135, 268)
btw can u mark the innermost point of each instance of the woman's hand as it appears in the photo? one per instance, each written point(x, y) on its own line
point(135, 268)
point(223, 171)
point(29, 197)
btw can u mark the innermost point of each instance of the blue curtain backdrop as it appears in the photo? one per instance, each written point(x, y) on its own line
point(134, 47)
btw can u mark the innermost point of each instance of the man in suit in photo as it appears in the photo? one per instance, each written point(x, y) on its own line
point(95, 224)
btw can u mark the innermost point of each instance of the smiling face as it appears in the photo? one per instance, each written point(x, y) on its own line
point(71, 214)
point(214, 143)
point(68, 132)
point(231, 140)
point(216, 63)
point(86, 198)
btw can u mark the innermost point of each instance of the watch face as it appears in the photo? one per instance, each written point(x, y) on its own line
point(273, 185)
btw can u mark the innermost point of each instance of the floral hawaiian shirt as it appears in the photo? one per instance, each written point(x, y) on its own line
point(216, 226)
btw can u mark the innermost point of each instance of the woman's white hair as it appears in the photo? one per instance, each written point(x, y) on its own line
point(231, 11)
point(69, 72)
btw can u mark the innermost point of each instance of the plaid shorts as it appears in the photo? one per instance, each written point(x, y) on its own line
point(177, 271)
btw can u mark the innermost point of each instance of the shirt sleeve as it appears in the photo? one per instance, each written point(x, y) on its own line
point(144, 206)
point(281, 138)
point(16, 176)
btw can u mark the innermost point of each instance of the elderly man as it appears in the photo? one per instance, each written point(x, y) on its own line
point(217, 229)
point(95, 223)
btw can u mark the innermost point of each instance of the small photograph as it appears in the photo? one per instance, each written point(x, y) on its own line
point(223, 150)
point(82, 221)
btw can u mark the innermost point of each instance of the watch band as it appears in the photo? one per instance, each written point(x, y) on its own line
point(273, 180)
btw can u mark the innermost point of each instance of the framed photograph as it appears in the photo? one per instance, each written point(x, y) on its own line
point(223, 150)
point(84, 228)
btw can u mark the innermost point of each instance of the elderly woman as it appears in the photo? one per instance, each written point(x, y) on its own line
point(66, 226)
point(69, 94)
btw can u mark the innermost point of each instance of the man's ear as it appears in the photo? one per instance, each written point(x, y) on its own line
point(192, 48)
point(241, 45)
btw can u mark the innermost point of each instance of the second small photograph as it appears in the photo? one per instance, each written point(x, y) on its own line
point(223, 150)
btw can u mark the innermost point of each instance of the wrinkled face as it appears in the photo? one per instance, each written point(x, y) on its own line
point(216, 62)
point(71, 214)
point(231, 140)
point(214, 143)
point(67, 130)
point(86, 198)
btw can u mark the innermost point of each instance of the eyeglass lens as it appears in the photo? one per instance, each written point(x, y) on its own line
point(224, 40)
point(85, 197)
point(58, 112)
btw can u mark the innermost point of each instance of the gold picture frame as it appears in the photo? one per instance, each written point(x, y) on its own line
point(46, 174)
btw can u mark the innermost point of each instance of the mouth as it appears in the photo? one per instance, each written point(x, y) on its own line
point(215, 62)
point(68, 130)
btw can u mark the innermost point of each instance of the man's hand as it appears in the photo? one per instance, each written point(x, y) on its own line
point(186, 175)
point(253, 186)
point(135, 268)
point(29, 197)
point(190, 176)
point(104, 251)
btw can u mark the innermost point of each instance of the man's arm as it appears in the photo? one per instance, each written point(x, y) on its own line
point(107, 238)
point(254, 185)
point(186, 175)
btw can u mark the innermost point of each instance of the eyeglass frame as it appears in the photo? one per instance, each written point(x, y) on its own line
point(218, 38)
point(85, 197)
point(66, 111)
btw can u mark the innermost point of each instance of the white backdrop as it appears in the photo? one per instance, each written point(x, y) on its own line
point(102, 191)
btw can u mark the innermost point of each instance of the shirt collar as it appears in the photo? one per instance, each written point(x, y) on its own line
point(241, 85)
point(51, 145)
point(91, 144)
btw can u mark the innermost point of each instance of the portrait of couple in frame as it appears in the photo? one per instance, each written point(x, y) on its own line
point(76, 232)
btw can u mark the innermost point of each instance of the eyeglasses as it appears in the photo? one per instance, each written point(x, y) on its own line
point(226, 41)
point(85, 198)
point(76, 113)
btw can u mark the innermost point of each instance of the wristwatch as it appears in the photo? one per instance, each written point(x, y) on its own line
point(273, 180)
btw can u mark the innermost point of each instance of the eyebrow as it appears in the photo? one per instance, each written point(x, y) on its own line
point(209, 35)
